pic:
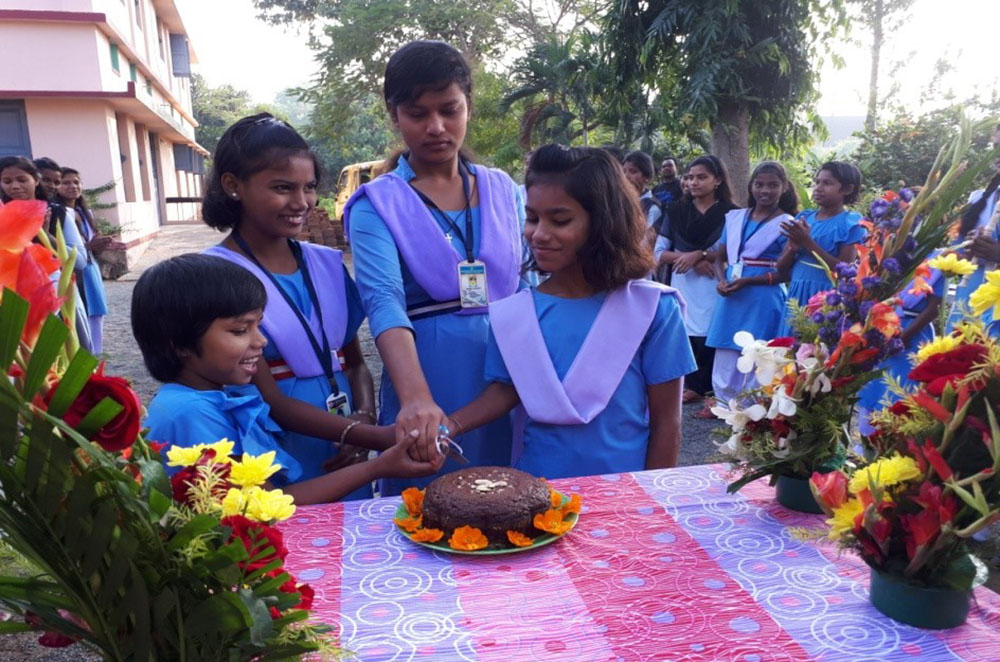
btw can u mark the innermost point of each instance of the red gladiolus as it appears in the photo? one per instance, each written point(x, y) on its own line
point(20, 221)
point(881, 530)
point(864, 355)
point(34, 285)
point(935, 408)
point(256, 537)
point(830, 489)
point(941, 467)
point(122, 431)
point(157, 446)
point(921, 530)
point(932, 498)
point(914, 450)
point(884, 319)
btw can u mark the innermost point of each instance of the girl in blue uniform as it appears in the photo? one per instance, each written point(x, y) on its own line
point(753, 292)
point(196, 319)
point(262, 188)
point(829, 231)
point(419, 236)
point(596, 354)
point(984, 245)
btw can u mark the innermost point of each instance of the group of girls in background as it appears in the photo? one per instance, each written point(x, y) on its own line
point(69, 215)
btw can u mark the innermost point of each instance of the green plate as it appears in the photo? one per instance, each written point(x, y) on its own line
point(442, 545)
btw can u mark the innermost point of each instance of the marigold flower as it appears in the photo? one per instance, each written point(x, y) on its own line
point(885, 472)
point(844, 518)
point(467, 539)
point(234, 503)
point(987, 295)
point(551, 521)
point(938, 345)
point(953, 265)
point(252, 471)
point(413, 499)
point(519, 539)
point(269, 505)
point(572, 506)
point(409, 524)
point(427, 535)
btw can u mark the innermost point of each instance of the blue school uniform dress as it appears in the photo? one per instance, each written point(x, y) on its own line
point(183, 416)
point(966, 287)
point(451, 347)
point(616, 440)
point(808, 277)
point(757, 309)
point(312, 452)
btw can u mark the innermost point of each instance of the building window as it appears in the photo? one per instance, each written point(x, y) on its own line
point(138, 13)
point(182, 158)
point(159, 38)
point(131, 72)
point(180, 59)
point(149, 87)
point(114, 58)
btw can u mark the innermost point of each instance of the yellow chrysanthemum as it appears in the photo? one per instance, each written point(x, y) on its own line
point(252, 471)
point(938, 345)
point(269, 505)
point(234, 503)
point(185, 456)
point(843, 518)
point(885, 472)
point(952, 265)
point(987, 295)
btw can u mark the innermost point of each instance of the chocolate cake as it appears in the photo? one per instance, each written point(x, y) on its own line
point(492, 499)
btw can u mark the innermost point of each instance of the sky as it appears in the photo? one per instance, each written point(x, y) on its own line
point(234, 47)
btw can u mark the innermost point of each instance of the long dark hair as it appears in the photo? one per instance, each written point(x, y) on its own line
point(718, 169)
point(422, 66)
point(789, 200)
point(27, 165)
point(250, 145)
point(615, 251)
point(80, 204)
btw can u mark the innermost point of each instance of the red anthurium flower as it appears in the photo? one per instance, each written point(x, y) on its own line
point(20, 221)
point(864, 355)
point(784, 341)
point(830, 490)
point(941, 467)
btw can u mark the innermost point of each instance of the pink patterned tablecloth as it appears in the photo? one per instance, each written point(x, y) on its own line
point(662, 566)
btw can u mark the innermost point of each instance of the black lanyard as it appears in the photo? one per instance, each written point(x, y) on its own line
point(746, 219)
point(323, 352)
point(467, 238)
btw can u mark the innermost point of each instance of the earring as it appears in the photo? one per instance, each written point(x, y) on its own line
point(235, 196)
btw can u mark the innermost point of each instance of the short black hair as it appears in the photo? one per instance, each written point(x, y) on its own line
point(250, 145)
point(175, 302)
point(642, 161)
point(45, 163)
point(422, 66)
point(788, 202)
point(848, 175)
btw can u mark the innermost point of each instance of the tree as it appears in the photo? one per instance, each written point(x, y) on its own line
point(215, 108)
point(874, 15)
point(745, 68)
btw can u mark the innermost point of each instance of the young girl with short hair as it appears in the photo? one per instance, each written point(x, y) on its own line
point(419, 235)
point(261, 190)
point(596, 354)
point(197, 320)
point(751, 288)
point(830, 231)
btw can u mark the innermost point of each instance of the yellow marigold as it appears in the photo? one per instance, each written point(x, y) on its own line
point(987, 295)
point(885, 472)
point(938, 345)
point(413, 499)
point(519, 539)
point(234, 503)
point(409, 524)
point(427, 535)
point(843, 518)
point(269, 505)
point(467, 539)
point(551, 521)
point(252, 471)
point(185, 456)
point(953, 265)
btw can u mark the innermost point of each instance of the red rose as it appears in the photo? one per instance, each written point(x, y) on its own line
point(122, 431)
point(946, 368)
point(182, 481)
point(256, 537)
point(305, 591)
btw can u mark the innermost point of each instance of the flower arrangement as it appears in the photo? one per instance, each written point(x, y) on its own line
point(131, 563)
point(555, 521)
point(794, 421)
point(936, 482)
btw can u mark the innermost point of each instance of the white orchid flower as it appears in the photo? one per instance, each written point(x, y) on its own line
point(782, 404)
point(737, 418)
point(753, 352)
point(819, 381)
point(782, 444)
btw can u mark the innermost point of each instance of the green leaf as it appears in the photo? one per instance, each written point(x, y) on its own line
point(223, 613)
point(198, 525)
point(159, 504)
point(12, 627)
point(73, 380)
point(47, 347)
point(13, 314)
point(102, 414)
point(965, 572)
point(99, 538)
point(261, 627)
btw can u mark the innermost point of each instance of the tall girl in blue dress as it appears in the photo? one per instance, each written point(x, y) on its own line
point(262, 187)
point(752, 289)
point(596, 354)
point(829, 231)
point(983, 236)
point(412, 232)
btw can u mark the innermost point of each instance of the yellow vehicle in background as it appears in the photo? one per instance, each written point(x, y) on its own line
point(352, 177)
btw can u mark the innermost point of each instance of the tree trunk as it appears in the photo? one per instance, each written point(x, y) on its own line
point(878, 14)
point(731, 143)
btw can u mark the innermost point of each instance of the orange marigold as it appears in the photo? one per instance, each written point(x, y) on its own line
point(413, 499)
point(519, 539)
point(427, 535)
point(555, 498)
point(572, 506)
point(467, 539)
point(410, 524)
point(551, 521)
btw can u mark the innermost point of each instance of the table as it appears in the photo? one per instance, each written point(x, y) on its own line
point(662, 565)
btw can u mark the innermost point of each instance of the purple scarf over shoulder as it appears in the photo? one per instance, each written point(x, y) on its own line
point(428, 254)
point(280, 322)
point(756, 244)
point(599, 366)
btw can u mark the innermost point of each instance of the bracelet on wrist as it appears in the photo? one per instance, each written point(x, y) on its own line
point(343, 435)
point(461, 429)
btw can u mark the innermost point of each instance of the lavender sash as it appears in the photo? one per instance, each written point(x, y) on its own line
point(428, 254)
point(755, 245)
point(280, 322)
point(599, 366)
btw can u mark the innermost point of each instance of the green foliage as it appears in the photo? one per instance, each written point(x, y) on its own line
point(493, 131)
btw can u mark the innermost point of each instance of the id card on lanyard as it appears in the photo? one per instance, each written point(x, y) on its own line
point(337, 402)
